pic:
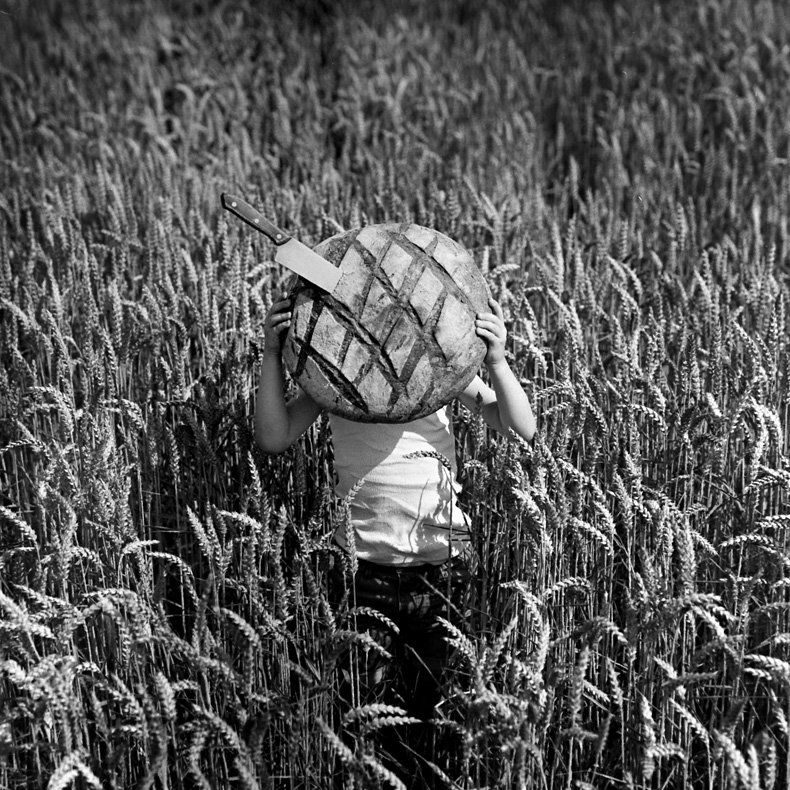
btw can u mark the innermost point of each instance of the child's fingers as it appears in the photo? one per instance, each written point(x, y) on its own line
point(497, 308)
point(492, 323)
point(275, 326)
point(278, 309)
point(276, 319)
point(490, 317)
point(280, 305)
point(284, 312)
point(490, 333)
point(487, 334)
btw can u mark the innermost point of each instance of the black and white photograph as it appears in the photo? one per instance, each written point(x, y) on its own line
point(394, 395)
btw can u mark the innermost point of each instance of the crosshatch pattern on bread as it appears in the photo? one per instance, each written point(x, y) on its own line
point(396, 339)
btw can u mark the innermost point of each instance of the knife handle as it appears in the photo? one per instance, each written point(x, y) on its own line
point(245, 211)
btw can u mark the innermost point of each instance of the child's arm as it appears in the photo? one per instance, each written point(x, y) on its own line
point(278, 424)
point(506, 406)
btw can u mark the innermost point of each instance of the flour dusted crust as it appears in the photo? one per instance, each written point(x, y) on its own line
point(396, 340)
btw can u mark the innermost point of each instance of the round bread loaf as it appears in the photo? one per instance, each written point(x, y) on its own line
point(396, 339)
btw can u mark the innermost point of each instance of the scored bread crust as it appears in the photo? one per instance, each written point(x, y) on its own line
point(396, 339)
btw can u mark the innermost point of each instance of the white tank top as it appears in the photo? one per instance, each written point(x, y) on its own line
point(406, 510)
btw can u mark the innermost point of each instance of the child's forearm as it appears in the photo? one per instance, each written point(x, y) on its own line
point(512, 403)
point(271, 411)
point(279, 423)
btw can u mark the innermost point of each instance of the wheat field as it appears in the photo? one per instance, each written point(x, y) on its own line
point(621, 172)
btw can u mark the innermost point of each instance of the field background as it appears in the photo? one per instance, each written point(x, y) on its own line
point(620, 171)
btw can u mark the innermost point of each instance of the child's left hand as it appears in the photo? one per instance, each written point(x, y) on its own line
point(491, 328)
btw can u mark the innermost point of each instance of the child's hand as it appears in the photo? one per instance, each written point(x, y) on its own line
point(278, 319)
point(491, 328)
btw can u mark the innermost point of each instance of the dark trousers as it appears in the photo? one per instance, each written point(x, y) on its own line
point(403, 655)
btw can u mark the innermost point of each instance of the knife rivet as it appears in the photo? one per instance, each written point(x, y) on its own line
point(279, 235)
point(233, 204)
point(257, 219)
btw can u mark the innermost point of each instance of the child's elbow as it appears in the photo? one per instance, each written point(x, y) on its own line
point(270, 444)
point(532, 429)
point(531, 436)
point(527, 434)
point(526, 430)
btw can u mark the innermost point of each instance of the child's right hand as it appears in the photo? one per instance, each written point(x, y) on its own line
point(277, 321)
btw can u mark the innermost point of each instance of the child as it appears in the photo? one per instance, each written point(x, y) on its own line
point(410, 536)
